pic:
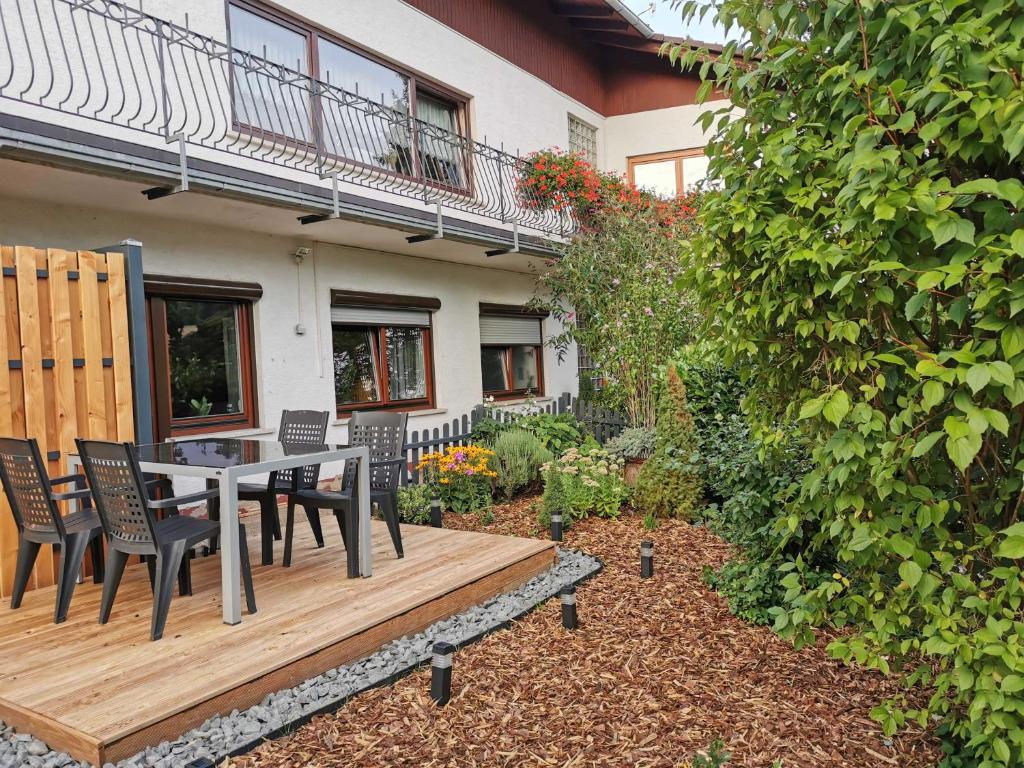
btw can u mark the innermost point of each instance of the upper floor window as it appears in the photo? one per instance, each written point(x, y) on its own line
point(583, 139)
point(669, 174)
point(401, 122)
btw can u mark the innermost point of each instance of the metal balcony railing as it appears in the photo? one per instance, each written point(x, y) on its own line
point(117, 65)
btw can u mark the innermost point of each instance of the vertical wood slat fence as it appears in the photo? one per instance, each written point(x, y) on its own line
point(65, 365)
point(604, 423)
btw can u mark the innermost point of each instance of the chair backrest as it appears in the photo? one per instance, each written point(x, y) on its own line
point(302, 428)
point(384, 435)
point(27, 486)
point(120, 494)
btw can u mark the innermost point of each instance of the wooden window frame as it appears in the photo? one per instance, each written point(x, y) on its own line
point(344, 410)
point(512, 394)
point(416, 82)
point(677, 155)
point(165, 424)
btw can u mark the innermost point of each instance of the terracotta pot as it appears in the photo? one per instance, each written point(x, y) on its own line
point(631, 470)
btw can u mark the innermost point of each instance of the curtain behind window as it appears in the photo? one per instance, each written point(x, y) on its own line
point(375, 137)
point(261, 101)
point(440, 154)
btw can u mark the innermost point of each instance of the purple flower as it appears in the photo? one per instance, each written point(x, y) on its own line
point(648, 311)
point(460, 456)
point(470, 472)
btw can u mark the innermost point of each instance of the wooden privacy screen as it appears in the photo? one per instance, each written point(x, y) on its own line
point(65, 366)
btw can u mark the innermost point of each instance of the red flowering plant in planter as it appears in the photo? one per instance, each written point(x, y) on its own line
point(564, 182)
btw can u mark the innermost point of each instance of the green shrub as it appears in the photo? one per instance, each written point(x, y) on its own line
point(518, 457)
point(558, 432)
point(488, 429)
point(632, 444)
point(589, 482)
point(865, 265)
point(668, 484)
point(414, 503)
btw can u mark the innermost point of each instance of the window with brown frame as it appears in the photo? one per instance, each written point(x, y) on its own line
point(511, 352)
point(422, 148)
point(382, 351)
point(202, 356)
point(669, 174)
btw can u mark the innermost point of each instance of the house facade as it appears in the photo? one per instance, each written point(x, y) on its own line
point(324, 198)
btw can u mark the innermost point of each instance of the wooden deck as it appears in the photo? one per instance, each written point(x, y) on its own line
point(102, 693)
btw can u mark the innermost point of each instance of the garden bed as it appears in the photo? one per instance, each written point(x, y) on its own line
point(656, 672)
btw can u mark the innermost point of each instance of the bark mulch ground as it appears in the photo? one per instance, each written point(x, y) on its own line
point(657, 670)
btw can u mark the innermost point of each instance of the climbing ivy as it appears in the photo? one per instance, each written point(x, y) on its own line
point(864, 264)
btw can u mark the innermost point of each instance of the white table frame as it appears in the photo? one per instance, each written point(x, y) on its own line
point(227, 481)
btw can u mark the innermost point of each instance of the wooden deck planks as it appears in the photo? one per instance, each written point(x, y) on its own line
point(111, 688)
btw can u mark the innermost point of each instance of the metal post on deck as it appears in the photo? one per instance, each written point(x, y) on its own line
point(138, 336)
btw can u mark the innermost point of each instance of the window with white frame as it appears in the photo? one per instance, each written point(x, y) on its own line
point(583, 139)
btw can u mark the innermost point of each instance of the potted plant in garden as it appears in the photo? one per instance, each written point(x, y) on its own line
point(635, 445)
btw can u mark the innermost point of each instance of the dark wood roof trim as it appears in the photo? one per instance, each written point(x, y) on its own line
point(514, 310)
point(385, 300)
point(200, 288)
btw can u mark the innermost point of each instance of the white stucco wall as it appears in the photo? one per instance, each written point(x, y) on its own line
point(657, 130)
point(296, 371)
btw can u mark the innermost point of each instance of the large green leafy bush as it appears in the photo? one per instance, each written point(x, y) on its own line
point(866, 271)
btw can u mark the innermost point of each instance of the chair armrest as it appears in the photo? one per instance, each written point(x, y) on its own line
point(81, 493)
point(78, 479)
point(178, 501)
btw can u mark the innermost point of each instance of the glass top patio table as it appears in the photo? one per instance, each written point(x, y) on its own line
point(221, 452)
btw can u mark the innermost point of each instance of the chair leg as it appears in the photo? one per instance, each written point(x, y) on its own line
point(275, 517)
point(27, 553)
point(111, 580)
point(71, 555)
point(352, 552)
point(268, 513)
point(213, 512)
point(387, 508)
point(340, 515)
point(167, 564)
point(313, 515)
point(289, 533)
point(96, 553)
point(243, 551)
point(185, 574)
point(151, 567)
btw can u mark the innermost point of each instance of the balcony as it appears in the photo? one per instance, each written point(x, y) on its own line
point(117, 72)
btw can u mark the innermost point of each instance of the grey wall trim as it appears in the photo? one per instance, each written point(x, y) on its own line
point(36, 141)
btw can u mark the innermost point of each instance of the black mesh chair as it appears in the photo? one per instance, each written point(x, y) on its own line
point(384, 435)
point(297, 428)
point(33, 501)
point(129, 520)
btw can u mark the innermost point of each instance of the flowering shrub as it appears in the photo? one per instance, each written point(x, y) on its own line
point(463, 476)
point(564, 181)
point(589, 482)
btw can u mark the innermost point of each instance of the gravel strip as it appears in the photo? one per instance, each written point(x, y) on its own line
point(280, 712)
